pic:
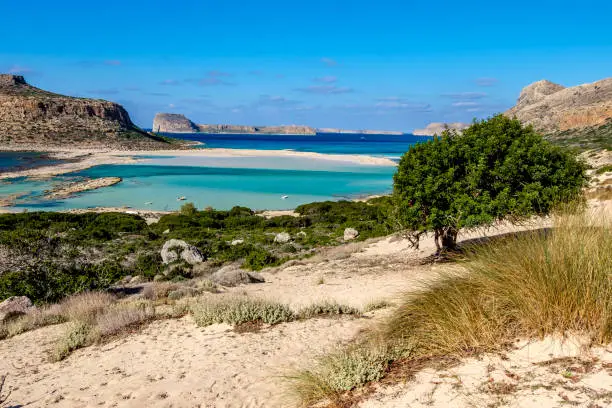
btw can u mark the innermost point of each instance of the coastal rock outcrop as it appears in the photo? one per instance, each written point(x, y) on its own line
point(175, 249)
point(350, 234)
point(436, 128)
point(79, 187)
point(232, 275)
point(32, 118)
point(282, 238)
point(14, 306)
point(173, 123)
point(552, 108)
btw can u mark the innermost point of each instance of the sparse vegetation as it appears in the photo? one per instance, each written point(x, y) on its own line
point(51, 255)
point(530, 284)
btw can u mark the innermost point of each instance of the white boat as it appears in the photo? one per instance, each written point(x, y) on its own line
point(284, 197)
point(181, 198)
point(149, 203)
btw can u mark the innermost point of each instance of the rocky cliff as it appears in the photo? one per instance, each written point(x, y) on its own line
point(173, 123)
point(552, 108)
point(31, 118)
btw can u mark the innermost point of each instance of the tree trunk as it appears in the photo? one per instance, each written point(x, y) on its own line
point(449, 239)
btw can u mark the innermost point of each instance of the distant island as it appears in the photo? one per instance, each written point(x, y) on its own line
point(178, 123)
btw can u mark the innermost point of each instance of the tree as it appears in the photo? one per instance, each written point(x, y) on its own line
point(495, 169)
point(189, 209)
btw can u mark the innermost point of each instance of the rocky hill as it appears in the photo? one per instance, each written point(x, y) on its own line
point(31, 118)
point(573, 115)
point(437, 128)
point(173, 123)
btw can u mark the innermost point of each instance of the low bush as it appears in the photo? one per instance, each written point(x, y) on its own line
point(328, 308)
point(238, 310)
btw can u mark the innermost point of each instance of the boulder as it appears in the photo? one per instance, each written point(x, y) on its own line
point(282, 238)
point(350, 234)
point(231, 276)
point(136, 280)
point(176, 249)
point(14, 306)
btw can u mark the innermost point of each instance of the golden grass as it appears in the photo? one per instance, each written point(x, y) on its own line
point(528, 284)
point(114, 320)
point(85, 306)
point(82, 307)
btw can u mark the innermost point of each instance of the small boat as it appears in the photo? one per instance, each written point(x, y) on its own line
point(284, 197)
point(181, 198)
point(149, 203)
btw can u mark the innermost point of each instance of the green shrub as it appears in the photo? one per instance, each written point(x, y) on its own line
point(496, 168)
point(76, 335)
point(188, 210)
point(258, 259)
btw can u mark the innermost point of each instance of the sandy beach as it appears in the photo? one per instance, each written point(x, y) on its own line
point(84, 159)
point(174, 363)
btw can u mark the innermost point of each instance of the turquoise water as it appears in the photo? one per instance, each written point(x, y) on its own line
point(224, 182)
point(158, 187)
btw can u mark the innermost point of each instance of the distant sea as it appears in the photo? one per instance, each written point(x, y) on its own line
point(391, 146)
point(257, 182)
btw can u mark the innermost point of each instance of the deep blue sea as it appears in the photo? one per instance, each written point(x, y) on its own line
point(266, 182)
point(392, 146)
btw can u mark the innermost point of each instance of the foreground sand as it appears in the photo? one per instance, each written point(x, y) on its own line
point(81, 159)
point(174, 363)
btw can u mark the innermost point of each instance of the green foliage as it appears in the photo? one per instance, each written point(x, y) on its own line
point(259, 259)
point(49, 282)
point(188, 209)
point(495, 169)
point(604, 169)
point(60, 253)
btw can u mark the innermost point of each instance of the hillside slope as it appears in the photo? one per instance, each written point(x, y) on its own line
point(31, 118)
point(579, 116)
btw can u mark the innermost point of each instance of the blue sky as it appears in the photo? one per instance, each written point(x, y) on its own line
point(393, 65)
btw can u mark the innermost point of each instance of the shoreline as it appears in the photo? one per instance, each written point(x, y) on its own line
point(82, 159)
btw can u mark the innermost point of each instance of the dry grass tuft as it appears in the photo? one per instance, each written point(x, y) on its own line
point(80, 307)
point(113, 321)
point(85, 306)
point(122, 317)
point(525, 285)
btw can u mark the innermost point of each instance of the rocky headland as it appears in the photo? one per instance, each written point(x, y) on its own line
point(32, 118)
